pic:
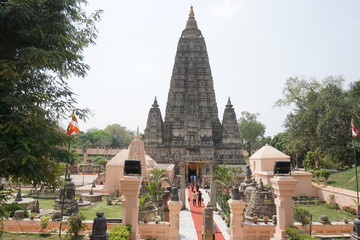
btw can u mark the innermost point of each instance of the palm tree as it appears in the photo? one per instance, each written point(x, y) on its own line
point(145, 203)
point(226, 177)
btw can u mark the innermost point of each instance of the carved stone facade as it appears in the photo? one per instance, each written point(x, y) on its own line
point(191, 131)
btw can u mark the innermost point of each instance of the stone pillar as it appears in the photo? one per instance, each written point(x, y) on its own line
point(284, 188)
point(208, 223)
point(203, 169)
point(237, 219)
point(212, 186)
point(174, 231)
point(165, 198)
point(182, 186)
point(130, 188)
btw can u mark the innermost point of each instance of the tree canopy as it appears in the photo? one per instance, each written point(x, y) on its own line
point(251, 131)
point(320, 120)
point(41, 45)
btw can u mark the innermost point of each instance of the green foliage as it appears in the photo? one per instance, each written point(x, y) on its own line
point(294, 233)
point(226, 177)
point(302, 215)
point(325, 174)
point(350, 210)
point(75, 223)
point(11, 208)
point(320, 120)
point(44, 222)
point(279, 141)
point(121, 137)
point(120, 232)
point(251, 131)
point(41, 45)
point(312, 160)
point(145, 203)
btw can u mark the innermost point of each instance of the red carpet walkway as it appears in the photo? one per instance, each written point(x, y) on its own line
point(196, 213)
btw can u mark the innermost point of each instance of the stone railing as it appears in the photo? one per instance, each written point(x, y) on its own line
point(152, 230)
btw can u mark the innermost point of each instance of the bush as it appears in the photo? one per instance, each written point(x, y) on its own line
point(75, 223)
point(13, 207)
point(294, 233)
point(350, 210)
point(121, 232)
point(325, 174)
point(44, 222)
point(302, 215)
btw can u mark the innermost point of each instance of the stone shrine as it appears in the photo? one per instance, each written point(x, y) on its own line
point(67, 199)
point(191, 133)
point(261, 203)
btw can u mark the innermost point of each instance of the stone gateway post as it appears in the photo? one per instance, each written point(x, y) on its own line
point(130, 188)
point(284, 188)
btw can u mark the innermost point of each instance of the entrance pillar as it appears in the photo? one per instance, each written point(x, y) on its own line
point(208, 223)
point(130, 188)
point(212, 186)
point(237, 219)
point(182, 186)
point(284, 188)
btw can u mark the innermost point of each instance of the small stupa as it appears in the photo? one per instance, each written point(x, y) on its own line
point(261, 203)
point(67, 199)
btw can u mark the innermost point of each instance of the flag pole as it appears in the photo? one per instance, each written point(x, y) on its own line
point(63, 196)
point(356, 179)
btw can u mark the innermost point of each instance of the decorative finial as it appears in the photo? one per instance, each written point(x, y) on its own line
point(155, 104)
point(191, 14)
point(229, 105)
point(137, 136)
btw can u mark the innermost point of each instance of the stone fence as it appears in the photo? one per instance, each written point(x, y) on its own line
point(343, 197)
point(33, 226)
point(152, 230)
point(263, 231)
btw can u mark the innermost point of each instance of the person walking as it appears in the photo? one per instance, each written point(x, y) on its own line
point(194, 198)
point(199, 195)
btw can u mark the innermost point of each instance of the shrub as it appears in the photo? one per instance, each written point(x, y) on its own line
point(325, 174)
point(75, 223)
point(350, 210)
point(302, 215)
point(121, 232)
point(13, 207)
point(294, 233)
point(44, 222)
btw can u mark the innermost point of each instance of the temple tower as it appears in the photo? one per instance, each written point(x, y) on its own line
point(191, 133)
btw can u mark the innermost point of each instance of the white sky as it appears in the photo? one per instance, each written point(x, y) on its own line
point(253, 47)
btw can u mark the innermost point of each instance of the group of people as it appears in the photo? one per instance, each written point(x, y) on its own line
point(195, 188)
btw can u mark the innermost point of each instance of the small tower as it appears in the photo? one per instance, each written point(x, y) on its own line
point(230, 129)
point(154, 126)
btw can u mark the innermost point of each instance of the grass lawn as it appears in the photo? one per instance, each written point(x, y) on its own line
point(322, 209)
point(33, 236)
point(111, 211)
point(46, 203)
point(344, 179)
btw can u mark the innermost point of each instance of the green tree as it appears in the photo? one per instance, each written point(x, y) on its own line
point(251, 130)
point(41, 45)
point(320, 119)
point(303, 216)
point(121, 137)
point(226, 177)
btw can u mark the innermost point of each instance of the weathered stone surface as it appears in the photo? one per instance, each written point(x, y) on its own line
point(19, 214)
point(99, 227)
point(191, 130)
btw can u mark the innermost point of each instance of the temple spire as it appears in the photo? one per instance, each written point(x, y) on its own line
point(137, 136)
point(155, 104)
point(229, 105)
point(191, 14)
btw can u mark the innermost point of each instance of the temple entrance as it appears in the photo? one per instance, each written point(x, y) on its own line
point(194, 169)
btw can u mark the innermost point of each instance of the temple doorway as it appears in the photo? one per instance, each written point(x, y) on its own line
point(194, 169)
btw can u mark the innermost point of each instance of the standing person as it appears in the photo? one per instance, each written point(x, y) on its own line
point(194, 198)
point(199, 195)
point(197, 187)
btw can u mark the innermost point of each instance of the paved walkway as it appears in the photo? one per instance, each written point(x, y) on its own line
point(187, 226)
